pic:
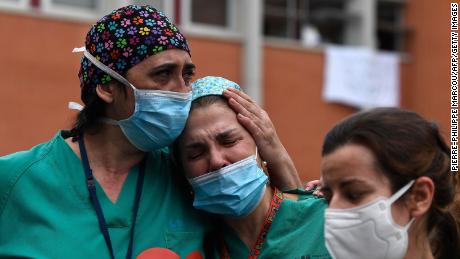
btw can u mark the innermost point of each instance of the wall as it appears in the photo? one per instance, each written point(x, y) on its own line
point(293, 85)
point(427, 89)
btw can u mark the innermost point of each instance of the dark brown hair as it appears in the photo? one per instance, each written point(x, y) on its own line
point(88, 119)
point(406, 146)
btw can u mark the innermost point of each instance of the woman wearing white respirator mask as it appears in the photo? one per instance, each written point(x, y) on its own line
point(225, 171)
point(391, 194)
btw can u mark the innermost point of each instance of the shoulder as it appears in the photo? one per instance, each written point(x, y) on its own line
point(304, 199)
point(14, 166)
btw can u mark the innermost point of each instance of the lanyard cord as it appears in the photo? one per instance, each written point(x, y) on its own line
point(269, 218)
point(97, 206)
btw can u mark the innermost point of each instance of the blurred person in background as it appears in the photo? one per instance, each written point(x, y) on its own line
point(227, 175)
point(105, 188)
point(386, 176)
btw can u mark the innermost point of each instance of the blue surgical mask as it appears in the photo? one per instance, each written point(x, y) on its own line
point(233, 191)
point(159, 116)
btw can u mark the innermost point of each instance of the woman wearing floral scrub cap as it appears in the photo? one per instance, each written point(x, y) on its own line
point(104, 189)
point(226, 172)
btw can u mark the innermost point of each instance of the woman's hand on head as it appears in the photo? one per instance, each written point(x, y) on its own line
point(256, 120)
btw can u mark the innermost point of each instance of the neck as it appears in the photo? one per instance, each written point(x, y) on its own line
point(248, 227)
point(419, 245)
point(111, 150)
point(110, 157)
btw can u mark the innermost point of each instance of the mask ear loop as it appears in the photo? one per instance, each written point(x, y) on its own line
point(75, 106)
point(103, 67)
point(107, 70)
point(397, 195)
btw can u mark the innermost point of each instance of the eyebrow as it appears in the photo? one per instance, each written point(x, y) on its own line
point(171, 66)
point(218, 136)
point(193, 145)
point(166, 66)
point(347, 183)
point(225, 134)
point(190, 66)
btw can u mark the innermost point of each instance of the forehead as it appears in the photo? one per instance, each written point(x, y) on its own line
point(176, 56)
point(210, 120)
point(350, 161)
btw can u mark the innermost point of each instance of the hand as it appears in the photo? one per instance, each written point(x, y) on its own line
point(257, 122)
point(312, 185)
point(280, 166)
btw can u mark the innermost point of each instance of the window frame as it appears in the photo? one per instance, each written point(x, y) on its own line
point(69, 11)
point(225, 32)
point(19, 5)
point(364, 35)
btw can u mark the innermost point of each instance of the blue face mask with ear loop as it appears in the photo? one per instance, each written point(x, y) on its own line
point(232, 191)
point(159, 116)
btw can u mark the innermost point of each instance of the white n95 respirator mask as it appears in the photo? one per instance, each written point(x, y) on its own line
point(367, 231)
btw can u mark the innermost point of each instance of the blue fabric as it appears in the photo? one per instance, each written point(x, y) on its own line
point(233, 191)
point(211, 85)
point(158, 120)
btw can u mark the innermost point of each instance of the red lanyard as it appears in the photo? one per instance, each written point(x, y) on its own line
point(270, 217)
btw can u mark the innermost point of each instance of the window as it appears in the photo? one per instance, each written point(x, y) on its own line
point(82, 9)
point(372, 23)
point(390, 26)
point(210, 12)
point(86, 9)
point(215, 18)
point(157, 4)
point(89, 4)
point(297, 19)
point(14, 4)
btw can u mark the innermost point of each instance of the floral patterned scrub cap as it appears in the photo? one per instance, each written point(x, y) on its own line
point(122, 39)
point(211, 85)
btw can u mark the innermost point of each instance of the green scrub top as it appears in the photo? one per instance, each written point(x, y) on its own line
point(296, 232)
point(46, 212)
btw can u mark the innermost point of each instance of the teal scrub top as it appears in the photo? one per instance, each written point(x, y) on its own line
point(46, 212)
point(296, 232)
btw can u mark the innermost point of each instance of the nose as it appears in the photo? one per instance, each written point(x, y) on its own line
point(338, 202)
point(217, 160)
point(181, 86)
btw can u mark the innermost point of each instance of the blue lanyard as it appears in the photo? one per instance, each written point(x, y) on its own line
point(97, 206)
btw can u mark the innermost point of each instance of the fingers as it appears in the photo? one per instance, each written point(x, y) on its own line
point(318, 193)
point(246, 104)
point(309, 186)
point(258, 118)
point(312, 184)
point(252, 127)
point(232, 92)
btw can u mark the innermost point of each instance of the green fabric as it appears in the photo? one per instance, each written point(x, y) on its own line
point(296, 232)
point(45, 210)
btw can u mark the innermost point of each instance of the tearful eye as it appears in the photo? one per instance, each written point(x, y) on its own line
point(230, 141)
point(188, 76)
point(194, 155)
point(163, 73)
